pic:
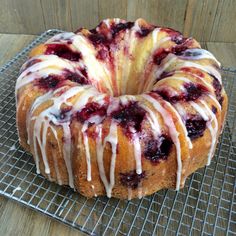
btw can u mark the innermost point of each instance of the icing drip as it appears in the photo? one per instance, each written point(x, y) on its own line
point(156, 129)
point(113, 140)
point(197, 54)
point(190, 145)
point(87, 153)
point(43, 122)
point(204, 113)
point(137, 153)
point(173, 133)
point(213, 131)
point(50, 64)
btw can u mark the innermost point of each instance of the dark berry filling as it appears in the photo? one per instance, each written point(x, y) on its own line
point(131, 179)
point(164, 75)
point(144, 32)
point(63, 51)
point(97, 38)
point(218, 88)
point(102, 54)
point(214, 109)
point(121, 26)
point(91, 109)
point(195, 127)
point(129, 116)
point(77, 78)
point(158, 149)
point(160, 55)
point(193, 92)
point(64, 114)
point(178, 38)
point(49, 82)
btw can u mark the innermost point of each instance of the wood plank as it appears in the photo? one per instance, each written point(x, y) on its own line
point(223, 29)
point(113, 9)
point(224, 52)
point(11, 44)
point(84, 13)
point(159, 12)
point(23, 16)
point(199, 20)
point(57, 14)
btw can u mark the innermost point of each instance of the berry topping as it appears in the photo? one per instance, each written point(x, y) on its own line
point(195, 127)
point(121, 26)
point(64, 114)
point(91, 109)
point(97, 38)
point(160, 55)
point(77, 78)
point(131, 179)
point(63, 51)
point(48, 82)
point(102, 54)
point(218, 88)
point(193, 92)
point(144, 31)
point(214, 109)
point(178, 38)
point(130, 116)
point(158, 149)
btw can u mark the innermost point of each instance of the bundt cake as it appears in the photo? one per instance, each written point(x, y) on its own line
point(122, 110)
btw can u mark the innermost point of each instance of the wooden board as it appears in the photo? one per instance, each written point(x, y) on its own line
point(206, 20)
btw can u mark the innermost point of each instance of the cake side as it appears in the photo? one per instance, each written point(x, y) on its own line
point(122, 110)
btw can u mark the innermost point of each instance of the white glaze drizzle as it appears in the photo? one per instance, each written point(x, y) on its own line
point(201, 54)
point(190, 145)
point(137, 152)
point(213, 131)
point(173, 133)
point(42, 121)
point(112, 138)
point(152, 118)
point(87, 152)
point(61, 36)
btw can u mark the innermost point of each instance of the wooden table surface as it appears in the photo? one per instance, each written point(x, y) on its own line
point(16, 219)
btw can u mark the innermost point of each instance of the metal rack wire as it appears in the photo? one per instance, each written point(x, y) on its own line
point(206, 206)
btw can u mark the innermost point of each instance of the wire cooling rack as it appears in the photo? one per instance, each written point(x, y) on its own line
point(206, 206)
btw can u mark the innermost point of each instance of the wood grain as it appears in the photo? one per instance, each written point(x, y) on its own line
point(159, 12)
point(57, 14)
point(224, 52)
point(223, 29)
point(21, 16)
point(113, 9)
point(205, 20)
point(84, 13)
point(10, 44)
point(199, 19)
point(16, 219)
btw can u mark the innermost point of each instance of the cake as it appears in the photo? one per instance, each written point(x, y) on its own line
point(123, 110)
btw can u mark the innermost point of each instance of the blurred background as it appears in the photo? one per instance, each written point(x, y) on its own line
point(206, 20)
